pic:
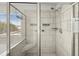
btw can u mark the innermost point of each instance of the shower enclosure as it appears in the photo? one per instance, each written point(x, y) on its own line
point(39, 29)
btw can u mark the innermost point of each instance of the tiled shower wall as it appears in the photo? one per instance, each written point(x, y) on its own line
point(64, 32)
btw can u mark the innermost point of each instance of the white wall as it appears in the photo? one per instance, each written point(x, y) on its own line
point(64, 39)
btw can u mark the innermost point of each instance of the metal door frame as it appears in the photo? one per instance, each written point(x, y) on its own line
point(74, 33)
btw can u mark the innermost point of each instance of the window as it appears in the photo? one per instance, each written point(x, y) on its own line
point(16, 19)
point(3, 28)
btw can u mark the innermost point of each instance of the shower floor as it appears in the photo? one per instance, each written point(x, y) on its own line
point(36, 54)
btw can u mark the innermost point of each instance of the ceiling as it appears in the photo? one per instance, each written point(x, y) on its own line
point(44, 6)
point(33, 7)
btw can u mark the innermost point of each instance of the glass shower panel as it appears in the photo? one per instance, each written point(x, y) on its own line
point(3, 28)
point(19, 29)
point(17, 32)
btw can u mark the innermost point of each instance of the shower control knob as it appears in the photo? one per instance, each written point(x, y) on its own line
point(42, 30)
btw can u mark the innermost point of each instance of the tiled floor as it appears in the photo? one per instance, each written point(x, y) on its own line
point(53, 54)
